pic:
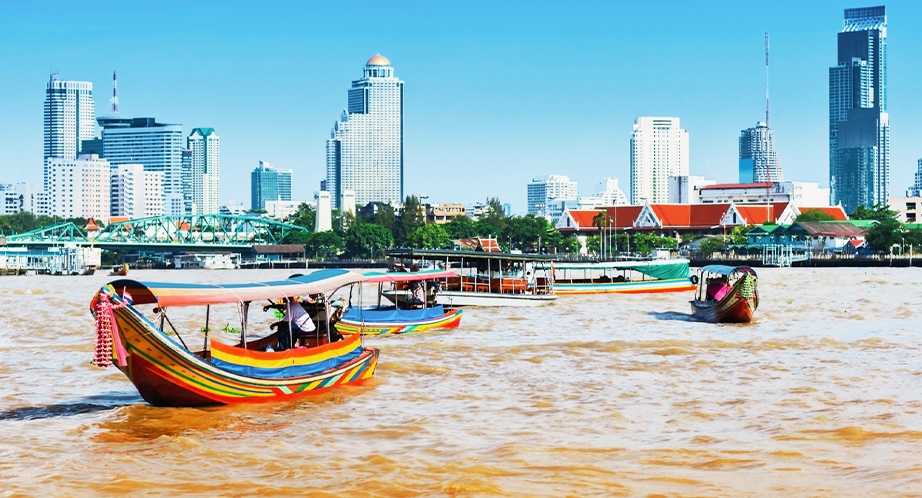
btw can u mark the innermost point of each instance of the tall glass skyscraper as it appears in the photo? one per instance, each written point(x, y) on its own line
point(758, 157)
point(157, 146)
point(365, 148)
point(269, 184)
point(70, 117)
point(859, 126)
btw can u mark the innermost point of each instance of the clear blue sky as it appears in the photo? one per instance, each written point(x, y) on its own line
point(496, 92)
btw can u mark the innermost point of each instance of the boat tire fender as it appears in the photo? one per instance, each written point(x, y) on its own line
point(694, 279)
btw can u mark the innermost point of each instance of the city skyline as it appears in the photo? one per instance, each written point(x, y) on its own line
point(555, 92)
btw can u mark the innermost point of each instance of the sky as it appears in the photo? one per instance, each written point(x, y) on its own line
point(496, 93)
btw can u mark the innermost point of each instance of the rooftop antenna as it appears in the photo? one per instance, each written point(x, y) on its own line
point(114, 98)
point(766, 78)
point(768, 176)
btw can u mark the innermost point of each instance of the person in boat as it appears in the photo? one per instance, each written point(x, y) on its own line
point(295, 324)
point(718, 287)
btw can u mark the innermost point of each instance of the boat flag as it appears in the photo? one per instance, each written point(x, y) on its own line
point(126, 297)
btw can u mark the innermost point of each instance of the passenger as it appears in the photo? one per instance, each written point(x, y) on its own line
point(717, 288)
point(295, 322)
point(417, 294)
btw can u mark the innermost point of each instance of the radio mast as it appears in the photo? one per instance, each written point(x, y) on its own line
point(114, 99)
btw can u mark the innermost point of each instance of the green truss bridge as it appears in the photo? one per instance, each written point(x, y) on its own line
point(206, 232)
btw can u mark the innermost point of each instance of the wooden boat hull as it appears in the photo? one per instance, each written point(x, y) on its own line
point(737, 306)
point(449, 320)
point(167, 374)
point(487, 299)
point(633, 287)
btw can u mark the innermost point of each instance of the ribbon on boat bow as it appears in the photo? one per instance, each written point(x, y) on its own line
point(107, 331)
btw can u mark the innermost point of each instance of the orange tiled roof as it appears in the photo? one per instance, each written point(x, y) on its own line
point(622, 216)
point(117, 219)
point(91, 225)
point(837, 213)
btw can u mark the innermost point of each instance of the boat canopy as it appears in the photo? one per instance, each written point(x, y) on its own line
point(727, 270)
point(185, 294)
point(658, 269)
point(393, 315)
point(407, 276)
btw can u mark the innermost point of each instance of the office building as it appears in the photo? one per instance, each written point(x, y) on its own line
point(70, 117)
point(157, 146)
point(135, 193)
point(859, 126)
point(916, 189)
point(758, 157)
point(659, 149)
point(544, 194)
point(365, 149)
point(77, 188)
point(269, 184)
point(204, 170)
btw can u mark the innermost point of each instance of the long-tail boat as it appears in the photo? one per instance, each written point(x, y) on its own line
point(726, 294)
point(131, 331)
point(407, 315)
point(635, 276)
point(483, 277)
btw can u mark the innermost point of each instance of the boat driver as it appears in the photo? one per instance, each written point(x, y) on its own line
point(295, 322)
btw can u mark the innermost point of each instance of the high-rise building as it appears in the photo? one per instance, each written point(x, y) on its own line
point(269, 184)
point(156, 145)
point(916, 189)
point(136, 193)
point(659, 149)
point(70, 117)
point(205, 169)
point(544, 192)
point(758, 157)
point(365, 148)
point(859, 126)
point(77, 188)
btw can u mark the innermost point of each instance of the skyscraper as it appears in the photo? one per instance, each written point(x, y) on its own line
point(156, 145)
point(70, 117)
point(758, 157)
point(542, 192)
point(365, 148)
point(269, 184)
point(859, 126)
point(916, 189)
point(659, 149)
point(77, 187)
point(205, 169)
point(135, 193)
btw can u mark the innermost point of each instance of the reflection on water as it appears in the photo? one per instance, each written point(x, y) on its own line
point(593, 395)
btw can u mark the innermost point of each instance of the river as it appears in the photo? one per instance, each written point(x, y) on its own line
point(607, 395)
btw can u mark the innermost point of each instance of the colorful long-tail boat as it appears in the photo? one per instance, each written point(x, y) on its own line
point(405, 316)
point(166, 372)
point(726, 294)
point(636, 276)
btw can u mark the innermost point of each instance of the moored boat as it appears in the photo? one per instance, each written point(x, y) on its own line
point(634, 276)
point(482, 278)
point(408, 315)
point(119, 270)
point(726, 294)
point(131, 319)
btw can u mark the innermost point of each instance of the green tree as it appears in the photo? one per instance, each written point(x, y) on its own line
point(385, 216)
point(429, 236)
point(814, 215)
point(525, 232)
point(324, 245)
point(879, 213)
point(884, 235)
point(738, 234)
point(410, 219)
point(367, 240)
point(712, 244)
point(304, 217)
point(461, 227)
point(493, 219)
